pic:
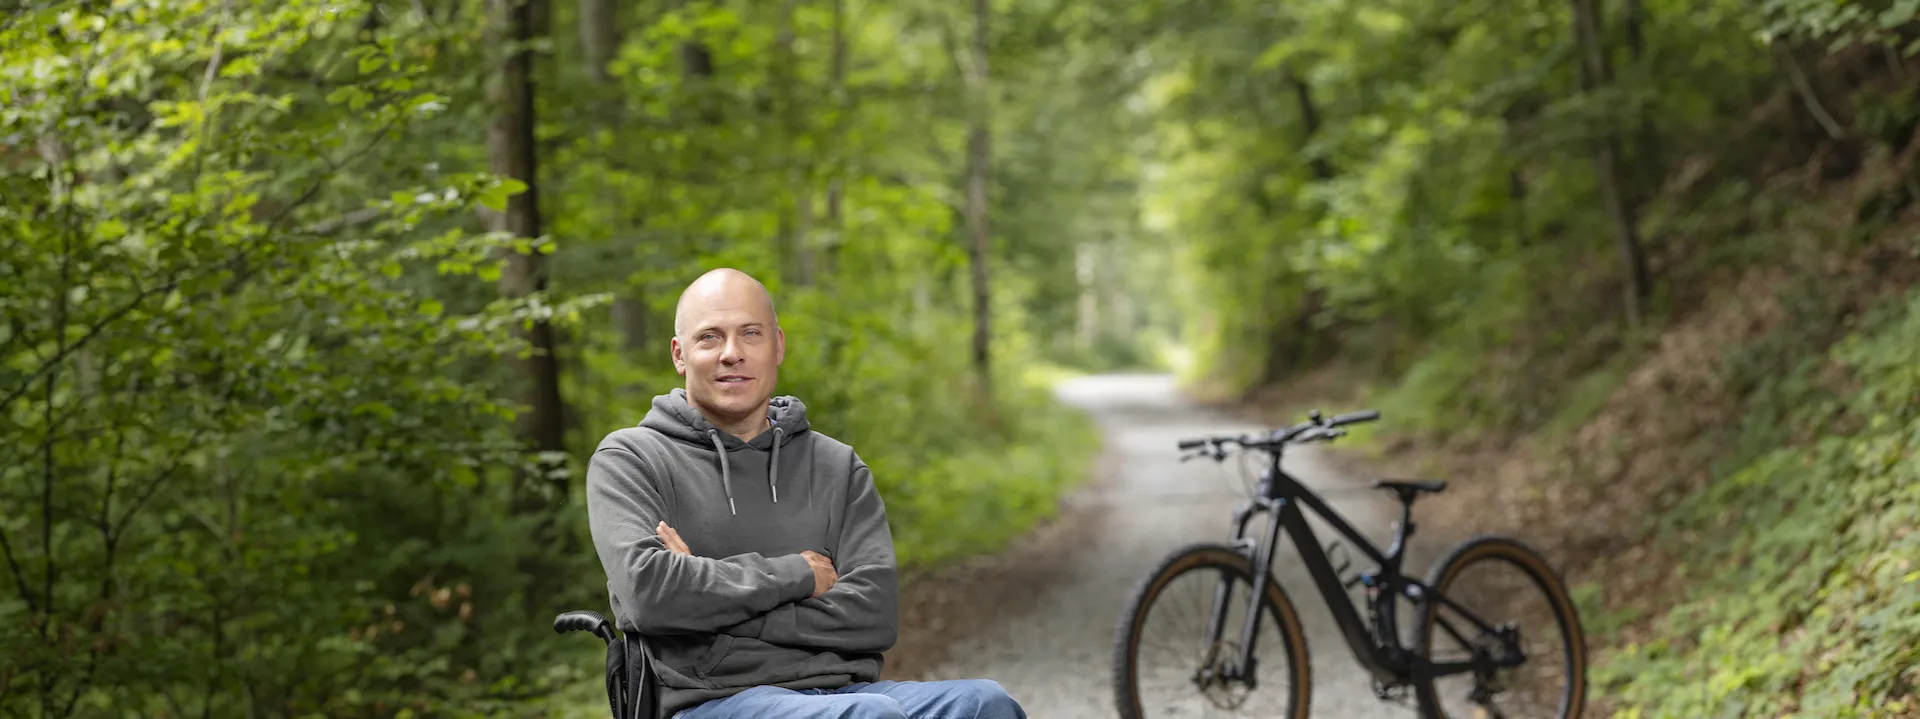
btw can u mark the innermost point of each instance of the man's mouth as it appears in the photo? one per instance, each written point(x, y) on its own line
point(733, 379)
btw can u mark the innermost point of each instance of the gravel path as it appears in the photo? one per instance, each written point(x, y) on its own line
point(1040, 618)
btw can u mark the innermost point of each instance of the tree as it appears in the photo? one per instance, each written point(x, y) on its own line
point(979, 157)
point(511, 147)
point(1595, 74)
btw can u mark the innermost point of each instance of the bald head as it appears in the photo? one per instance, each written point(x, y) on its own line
point(720, 287)
point(727, 342)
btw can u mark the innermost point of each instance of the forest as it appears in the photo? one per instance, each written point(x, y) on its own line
point(313, 309)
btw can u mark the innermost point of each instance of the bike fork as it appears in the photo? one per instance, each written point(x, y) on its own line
point(1217, 621)
point(1262, 557)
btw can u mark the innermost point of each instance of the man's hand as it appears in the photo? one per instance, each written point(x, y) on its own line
point(824, 575)
point(672, 539)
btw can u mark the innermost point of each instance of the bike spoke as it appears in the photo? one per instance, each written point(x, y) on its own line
point(1499, 593)
point(1173, 651)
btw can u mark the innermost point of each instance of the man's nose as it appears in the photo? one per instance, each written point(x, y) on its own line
point(730, 352)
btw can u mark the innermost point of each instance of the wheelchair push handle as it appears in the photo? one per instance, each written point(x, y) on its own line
point(582, 620)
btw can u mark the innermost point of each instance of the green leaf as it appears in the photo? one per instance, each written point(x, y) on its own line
point(495, 197)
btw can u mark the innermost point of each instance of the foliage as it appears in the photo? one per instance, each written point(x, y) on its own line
point(1803, 601)
point(255, 386)
point(1413, 176)
point(236, 423)
point(1844, 24)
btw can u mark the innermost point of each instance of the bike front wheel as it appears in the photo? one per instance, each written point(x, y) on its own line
point(1504, 604)
point(1166, 665)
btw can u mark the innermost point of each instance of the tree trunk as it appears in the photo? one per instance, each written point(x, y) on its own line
point(1087, 321)
point(1310, 120)
point(696, 73)
point(1517, 115)
point(630, 319)
point(696, 64)
point(1651, 164)
point(1635, 15)
point(835, 184)
point(1517, 193)
point(1595, 73)
point(600, 38)
point(977, 157)
point(799, 174)
point(510, 144)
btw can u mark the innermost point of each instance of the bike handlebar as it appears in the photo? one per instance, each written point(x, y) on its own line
point(1314, 429)
point(1365, 415)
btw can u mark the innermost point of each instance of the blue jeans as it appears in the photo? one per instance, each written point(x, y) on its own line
point(948, 699)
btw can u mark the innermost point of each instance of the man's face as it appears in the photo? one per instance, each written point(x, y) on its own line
point(730, 351)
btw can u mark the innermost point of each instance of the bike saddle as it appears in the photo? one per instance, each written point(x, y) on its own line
point(1408, 489)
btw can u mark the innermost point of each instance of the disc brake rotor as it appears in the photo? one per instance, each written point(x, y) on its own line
point(1220, 689)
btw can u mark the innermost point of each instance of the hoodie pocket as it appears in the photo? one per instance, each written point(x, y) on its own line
point(716, 652)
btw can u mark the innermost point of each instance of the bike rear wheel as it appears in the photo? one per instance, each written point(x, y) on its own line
point(1165, 666)
point(1501, 581)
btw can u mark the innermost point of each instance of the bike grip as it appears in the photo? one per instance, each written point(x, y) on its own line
point(1365, 415)
point(579, 620)
point(1192, 443)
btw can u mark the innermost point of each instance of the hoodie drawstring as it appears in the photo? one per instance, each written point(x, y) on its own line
point(726, 478)
point(726, 474)
point(773, 467)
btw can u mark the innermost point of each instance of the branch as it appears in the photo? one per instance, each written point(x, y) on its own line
point(193, 440)
point(46, 482)
point(166, 693)
point(206, 83)
point(237, 263)
point(19, 579)
point(93, 331)
point(120, 527)
point(1805, 90)
point(106, 574)
point(351, 219)
point(46, 511)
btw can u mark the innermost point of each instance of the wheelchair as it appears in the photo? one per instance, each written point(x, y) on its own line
point(631, 692)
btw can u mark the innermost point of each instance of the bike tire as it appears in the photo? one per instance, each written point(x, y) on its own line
point(1206, 557)
point(1566, 617)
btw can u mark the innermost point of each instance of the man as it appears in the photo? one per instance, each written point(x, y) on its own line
point(751, 551)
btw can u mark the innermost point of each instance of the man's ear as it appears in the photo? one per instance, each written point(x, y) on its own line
point(779, 346)
point(679, 361)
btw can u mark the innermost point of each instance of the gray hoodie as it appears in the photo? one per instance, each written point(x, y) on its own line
point(739, 612)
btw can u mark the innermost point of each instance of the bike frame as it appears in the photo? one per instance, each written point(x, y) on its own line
point(1281, 496)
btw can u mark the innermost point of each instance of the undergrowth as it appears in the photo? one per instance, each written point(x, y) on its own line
point(973, 500)
point(1803, 594)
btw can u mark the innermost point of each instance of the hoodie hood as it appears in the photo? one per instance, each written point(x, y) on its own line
point(672, 415)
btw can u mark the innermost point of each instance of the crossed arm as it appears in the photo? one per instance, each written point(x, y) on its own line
point(860, 612)
point(778, 600)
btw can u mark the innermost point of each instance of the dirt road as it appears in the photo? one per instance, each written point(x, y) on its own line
point(1045, 630)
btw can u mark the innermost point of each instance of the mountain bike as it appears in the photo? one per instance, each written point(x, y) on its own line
point(1220, 664)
